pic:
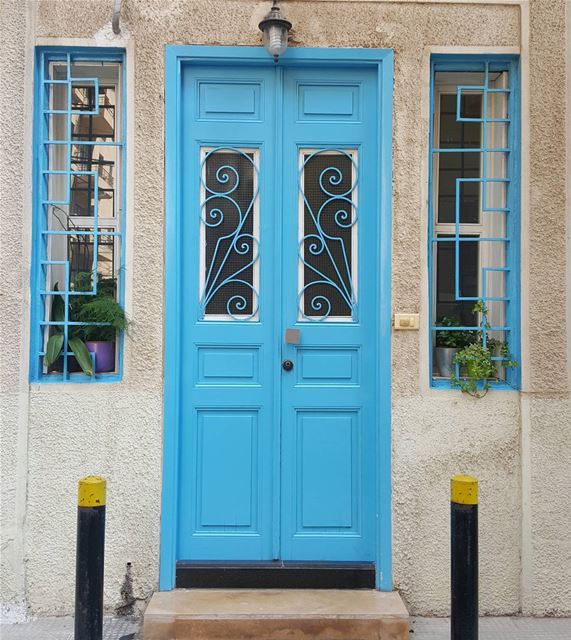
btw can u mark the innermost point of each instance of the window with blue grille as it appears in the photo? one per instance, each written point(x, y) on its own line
point(474, 214)
point(78, 319)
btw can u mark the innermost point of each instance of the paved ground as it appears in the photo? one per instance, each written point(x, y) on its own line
point(62, 629)
point(497, 629)
point(422, 628)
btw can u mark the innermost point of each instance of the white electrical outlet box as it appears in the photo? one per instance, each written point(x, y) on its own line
point(407, 321)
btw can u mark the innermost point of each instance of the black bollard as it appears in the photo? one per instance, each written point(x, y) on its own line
point(89, 559)
point(464, 557)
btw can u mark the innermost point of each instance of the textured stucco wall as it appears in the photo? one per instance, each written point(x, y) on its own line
point(13, 292)
point(548, 427)
point(515, 443)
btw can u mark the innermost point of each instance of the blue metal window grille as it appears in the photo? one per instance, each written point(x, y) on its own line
point(474, 227)
point(79, 207)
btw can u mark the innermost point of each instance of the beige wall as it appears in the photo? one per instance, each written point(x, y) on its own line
point(518, 444)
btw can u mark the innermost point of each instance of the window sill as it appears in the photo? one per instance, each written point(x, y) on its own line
point(445, 384)
point(78, 378)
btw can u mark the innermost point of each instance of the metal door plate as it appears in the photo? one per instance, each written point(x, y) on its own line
point(292, 336)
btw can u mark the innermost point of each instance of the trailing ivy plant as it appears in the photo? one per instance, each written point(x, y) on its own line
point(476, 359)
point(94, 310)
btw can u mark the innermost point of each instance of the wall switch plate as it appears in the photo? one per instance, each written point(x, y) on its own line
point(407, 321)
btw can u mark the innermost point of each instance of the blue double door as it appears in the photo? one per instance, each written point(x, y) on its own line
point(279, 238)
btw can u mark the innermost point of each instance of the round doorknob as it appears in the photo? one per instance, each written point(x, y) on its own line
point(287, 365)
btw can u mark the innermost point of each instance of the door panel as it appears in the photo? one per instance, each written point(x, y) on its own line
point(330, 284)
point(278, 464)
point(227, 448)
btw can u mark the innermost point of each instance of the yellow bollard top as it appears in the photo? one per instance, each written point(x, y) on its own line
point(91, 492)
point(464, 490)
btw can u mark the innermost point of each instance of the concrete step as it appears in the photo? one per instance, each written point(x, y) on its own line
point(275, 614)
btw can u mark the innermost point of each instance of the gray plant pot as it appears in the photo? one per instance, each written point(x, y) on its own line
point(443, 357)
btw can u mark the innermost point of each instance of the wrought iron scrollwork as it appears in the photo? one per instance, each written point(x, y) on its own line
point(230, 190)
point(330, 216)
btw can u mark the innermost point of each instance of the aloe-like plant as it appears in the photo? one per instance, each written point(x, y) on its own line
point(477, 360)
point(103, 314)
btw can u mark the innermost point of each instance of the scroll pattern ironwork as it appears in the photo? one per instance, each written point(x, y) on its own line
point(230, 192)
point(325, 251)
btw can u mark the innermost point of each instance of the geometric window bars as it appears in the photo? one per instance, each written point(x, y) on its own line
point(78, 224)
point(474, 211)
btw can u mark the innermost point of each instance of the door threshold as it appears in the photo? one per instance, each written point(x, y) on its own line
point(260, 614)
point(199, 574)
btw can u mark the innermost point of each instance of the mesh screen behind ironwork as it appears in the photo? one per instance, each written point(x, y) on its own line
point(229, 227)
point(328, 214)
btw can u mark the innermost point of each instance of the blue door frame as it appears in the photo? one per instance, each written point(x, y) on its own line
point(176, 57)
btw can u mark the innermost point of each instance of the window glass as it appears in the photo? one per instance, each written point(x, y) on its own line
point(454, 165)
point(446, 303)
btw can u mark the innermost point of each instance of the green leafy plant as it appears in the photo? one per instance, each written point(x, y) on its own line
point(476, 358)
point(453, 339)
point(479, 366)
point(103, 314)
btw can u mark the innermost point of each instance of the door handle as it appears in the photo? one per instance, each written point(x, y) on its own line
point(287, 365)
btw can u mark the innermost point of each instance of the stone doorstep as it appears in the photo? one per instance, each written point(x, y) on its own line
point(275, 614)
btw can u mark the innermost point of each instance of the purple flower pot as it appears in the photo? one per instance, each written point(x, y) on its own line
point(104, 355)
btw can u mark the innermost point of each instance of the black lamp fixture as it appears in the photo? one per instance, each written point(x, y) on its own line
point(275, 29)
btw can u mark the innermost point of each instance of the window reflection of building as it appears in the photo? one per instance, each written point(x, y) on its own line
point(92, 157)
point(81, 253)
point(91, 127)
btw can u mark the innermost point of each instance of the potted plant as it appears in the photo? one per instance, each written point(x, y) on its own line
point(53, 358)
point(477, 359)
point(104, 318)
point(448, 343)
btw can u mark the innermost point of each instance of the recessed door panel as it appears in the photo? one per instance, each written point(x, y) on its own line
point(327, 472)
point(226, 462)
point(230, 365)
point(227, 100)
point(328, 366)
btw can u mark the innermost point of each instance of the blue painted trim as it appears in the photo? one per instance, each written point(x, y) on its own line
point(513, 313)
point(169, 512)
point(479, 63)
point(278, 285)
point(384, 574)
point(43, 56)
point(174, 56)
point(58, 53)
point(35, 284)
point(442, 384)
point(430, 249)
point(293, 56)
